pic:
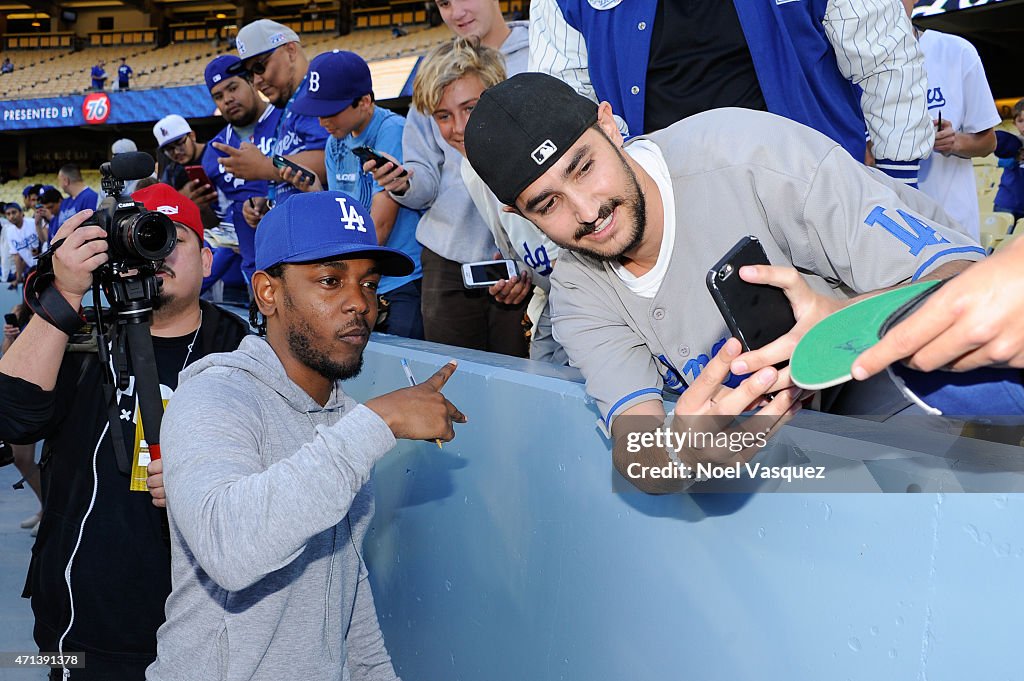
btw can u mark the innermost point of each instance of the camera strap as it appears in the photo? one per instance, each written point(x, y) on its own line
point(43, 298)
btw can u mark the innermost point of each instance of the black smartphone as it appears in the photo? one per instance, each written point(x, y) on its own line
point(368, 154)
point(282, 162)
point(756, 314)
point(11, 319)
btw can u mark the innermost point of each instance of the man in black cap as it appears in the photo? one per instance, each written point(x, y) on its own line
point(642, 224)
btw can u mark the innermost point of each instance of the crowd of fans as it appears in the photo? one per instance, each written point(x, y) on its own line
point(331, 216)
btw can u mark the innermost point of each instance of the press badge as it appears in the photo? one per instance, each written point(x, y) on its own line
point(141, 457)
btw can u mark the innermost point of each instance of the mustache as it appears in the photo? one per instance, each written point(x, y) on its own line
point(606, 209)
point(358, 326)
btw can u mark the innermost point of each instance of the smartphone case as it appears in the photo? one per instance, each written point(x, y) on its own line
point(755, 314)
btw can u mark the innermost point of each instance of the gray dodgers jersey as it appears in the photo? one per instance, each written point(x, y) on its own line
point(735, 172)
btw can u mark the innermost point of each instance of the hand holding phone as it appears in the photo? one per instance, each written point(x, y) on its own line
point(755, 313)
point(198, 174)
point(486, 273)
point(281, 162)
point(11, 319)
point(367, 154)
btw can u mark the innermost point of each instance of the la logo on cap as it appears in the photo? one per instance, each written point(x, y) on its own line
point(167, 210)
point(163, 131)
point(543, 152)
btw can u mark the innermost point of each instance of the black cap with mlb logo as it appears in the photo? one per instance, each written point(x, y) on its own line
point(521, 127)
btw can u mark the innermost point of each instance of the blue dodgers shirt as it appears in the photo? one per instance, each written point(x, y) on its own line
point(295, 134)
point(99, 76)
point(87, 198)
point(124, 72)
point(345, 173)
point(237, 191)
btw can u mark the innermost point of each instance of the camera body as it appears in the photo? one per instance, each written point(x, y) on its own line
point(138, 240)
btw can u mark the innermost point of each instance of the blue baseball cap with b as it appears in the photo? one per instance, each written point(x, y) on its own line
point(336, 79)
point(217, 69)
point(320, 225)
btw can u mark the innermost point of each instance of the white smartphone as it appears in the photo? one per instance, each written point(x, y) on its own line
point(488, 272)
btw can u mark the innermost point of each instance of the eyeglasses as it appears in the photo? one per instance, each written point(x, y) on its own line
point(179, 145)
point(259, 67)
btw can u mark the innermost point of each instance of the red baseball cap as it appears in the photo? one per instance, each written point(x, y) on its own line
point(165, 199)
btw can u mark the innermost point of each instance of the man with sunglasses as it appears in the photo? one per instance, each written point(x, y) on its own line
point(271, 53)
point(175, 138)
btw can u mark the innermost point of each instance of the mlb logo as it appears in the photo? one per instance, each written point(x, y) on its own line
point(216, 79)
point(543, 152)
point(276, 38)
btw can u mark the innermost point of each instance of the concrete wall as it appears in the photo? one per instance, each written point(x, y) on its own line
point(506, 556)
point(124, 20)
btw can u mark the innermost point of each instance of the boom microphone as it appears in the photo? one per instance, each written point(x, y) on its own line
point(132, 165)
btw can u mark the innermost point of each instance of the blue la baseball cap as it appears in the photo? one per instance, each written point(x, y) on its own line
point(217, 69)
point(319, 225)
point(336, 79)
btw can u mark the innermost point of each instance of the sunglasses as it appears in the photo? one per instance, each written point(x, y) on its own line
point(259, 66)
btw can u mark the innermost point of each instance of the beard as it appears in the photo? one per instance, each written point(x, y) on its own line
point(167, 304)
point(636, 204)
point(244, 119)
point(300, 341)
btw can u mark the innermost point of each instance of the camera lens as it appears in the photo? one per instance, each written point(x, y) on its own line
point(150, 236)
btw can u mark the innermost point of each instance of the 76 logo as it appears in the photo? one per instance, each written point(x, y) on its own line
point(96, 108)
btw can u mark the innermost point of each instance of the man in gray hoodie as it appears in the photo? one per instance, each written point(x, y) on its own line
point(267, 462)
point(451, 230)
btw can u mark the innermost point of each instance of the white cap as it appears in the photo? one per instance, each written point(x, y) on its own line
point(263, 35)
point(123, 146)
point(170, 129)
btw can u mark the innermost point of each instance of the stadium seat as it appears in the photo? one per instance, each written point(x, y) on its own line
point(994, 228)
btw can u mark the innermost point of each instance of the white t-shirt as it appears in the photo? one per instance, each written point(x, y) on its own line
point(958, 89)
point(648, 156)
point(22, 240)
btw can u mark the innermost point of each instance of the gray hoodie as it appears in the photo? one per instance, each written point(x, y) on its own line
point(268, 504)
point(451, 226)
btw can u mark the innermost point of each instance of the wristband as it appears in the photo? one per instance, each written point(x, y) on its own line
point(43, 298)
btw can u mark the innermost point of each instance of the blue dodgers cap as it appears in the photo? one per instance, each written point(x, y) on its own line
point(336, 79)
point(320, 225)
point(217, 69)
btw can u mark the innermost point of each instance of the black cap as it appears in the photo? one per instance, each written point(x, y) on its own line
point(521, 127)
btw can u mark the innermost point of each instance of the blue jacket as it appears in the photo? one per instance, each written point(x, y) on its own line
point(236, 190)
point(795, 62)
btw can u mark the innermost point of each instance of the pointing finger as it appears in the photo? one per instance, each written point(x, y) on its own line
point(437, 381)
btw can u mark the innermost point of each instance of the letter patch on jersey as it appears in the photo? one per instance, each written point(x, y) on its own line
point(917, 238)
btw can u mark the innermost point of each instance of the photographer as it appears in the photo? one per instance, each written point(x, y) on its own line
point(118, 552)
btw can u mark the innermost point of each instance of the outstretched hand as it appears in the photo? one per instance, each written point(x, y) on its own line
point(976, 319)
point(707, 404)
point(420, 412)
point(809, 308)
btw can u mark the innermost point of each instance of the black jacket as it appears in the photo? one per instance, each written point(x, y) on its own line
point(121, 573)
